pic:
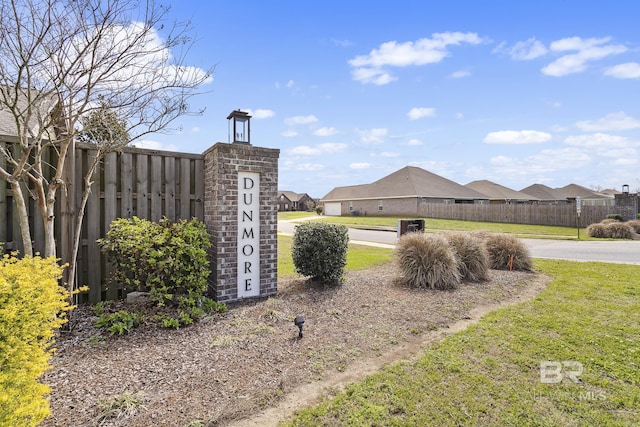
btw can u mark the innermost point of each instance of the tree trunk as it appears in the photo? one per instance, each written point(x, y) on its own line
point(23, 216)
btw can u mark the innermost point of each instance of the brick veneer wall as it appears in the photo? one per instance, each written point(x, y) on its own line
point(222, 162)
point(628, 205)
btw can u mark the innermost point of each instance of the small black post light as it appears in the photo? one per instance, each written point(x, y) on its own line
point(241, 132)
point(625, 189)
point(299, 321)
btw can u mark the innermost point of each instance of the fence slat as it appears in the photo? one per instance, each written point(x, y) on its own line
point(92, 217)
point(170, 188)
point(126, 185)
point(156, 188)
point(142, 192)
point(185, 189)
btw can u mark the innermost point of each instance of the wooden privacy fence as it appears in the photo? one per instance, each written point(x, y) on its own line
point(560, 215)
point(135, 182)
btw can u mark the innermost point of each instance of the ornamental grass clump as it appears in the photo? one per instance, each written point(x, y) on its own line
point(597, 230)
point(619, 230)
point(507, 252)
point(427, 261)
point(635, 225)
point(473, 260)
point(319, 250)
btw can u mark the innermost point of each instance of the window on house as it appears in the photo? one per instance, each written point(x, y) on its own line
point(350, 206)
point(379, 205)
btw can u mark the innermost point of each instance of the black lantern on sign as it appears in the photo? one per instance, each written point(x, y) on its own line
point(239, 125)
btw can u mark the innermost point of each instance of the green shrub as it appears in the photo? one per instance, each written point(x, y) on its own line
point(619, 230)
point(617, 217)
point(167, 259)
point(427, 261)
point(32, 306)
point(597, 230)
point(319, 250)
point(507, 252)
point(473, 260)
point(120, 322)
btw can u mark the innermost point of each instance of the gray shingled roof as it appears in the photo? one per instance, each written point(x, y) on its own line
point(7, 120)
point(409, 181)
point(499, 192)
point(543, 192)
point(294, 197)
point(571, 191)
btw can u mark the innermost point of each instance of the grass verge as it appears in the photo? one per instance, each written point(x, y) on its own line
point(434, 225)
point(358, 257)
point(490, 374)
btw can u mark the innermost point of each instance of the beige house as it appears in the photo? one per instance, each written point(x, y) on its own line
point(400, 193)
point(587, 196)
point(499, 194)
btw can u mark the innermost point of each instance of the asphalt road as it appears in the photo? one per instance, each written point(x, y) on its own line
point(619, 251)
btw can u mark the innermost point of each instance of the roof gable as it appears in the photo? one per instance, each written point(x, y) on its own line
point(543, 192)
point(409, 181)
point(498, 192)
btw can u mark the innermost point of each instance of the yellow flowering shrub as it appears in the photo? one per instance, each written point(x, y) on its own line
point(32, 306)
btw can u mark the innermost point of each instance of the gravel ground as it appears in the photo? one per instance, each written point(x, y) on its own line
point(229, 368)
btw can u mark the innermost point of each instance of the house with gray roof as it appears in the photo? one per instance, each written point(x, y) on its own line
point(545, 195)
point(291, 201)
point(400, 193)
point(499, 194)
point(587, 196)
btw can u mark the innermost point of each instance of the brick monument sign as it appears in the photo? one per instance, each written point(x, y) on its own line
point(241, 215)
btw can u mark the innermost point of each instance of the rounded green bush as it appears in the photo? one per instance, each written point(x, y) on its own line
point(473, 260)
point(319, 250)
point(507, 252)
point(427, 261)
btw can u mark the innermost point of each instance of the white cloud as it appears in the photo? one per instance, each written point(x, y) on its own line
point(460, 74)
point(459, 116)
point(612, 121)
point(261, 114)
point(154, 145)
point(300, 120)
point(526, 50)
point(598, 140)
point(342, 43)
point(370, 68)
point(414, 142)
point(290, 84)
point(419, 112)
point(362, 165)
point(517, 137)
point(195, 129)
point(587, 50)
point(325, 131)
point(373, 136)
point(629, 70)
point(309, 167)
point(389, 154)
point(289, 133)
point(327, 148)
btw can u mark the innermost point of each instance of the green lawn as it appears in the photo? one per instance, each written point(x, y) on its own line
point(489, 374)
point(358, 257)
point(432, 225)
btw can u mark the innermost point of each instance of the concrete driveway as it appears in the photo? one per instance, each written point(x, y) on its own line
point(619, 251)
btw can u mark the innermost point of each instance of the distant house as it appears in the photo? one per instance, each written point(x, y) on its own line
point(587, 196)
point(400, 193)
point(499, 194)
point(290, 201)
point(545, 195)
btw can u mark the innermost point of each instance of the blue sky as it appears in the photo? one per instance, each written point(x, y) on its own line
point(514, 92)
